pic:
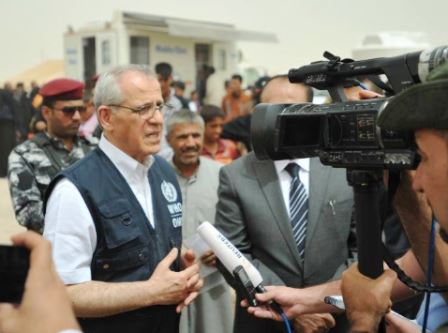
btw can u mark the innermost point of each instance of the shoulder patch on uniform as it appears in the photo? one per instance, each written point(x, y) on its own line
point(25, 181)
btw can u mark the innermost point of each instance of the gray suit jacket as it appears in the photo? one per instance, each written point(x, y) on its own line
point(252, 214)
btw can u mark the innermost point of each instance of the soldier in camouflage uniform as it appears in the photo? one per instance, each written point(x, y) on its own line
point(33, 164)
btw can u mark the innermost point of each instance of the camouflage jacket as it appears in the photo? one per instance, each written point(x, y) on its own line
point(31, 166)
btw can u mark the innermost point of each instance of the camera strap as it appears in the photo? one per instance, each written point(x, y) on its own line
point(418, 287)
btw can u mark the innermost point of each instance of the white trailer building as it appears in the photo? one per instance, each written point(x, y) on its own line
point(148, 39)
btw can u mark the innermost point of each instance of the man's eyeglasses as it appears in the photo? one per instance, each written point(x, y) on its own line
point(145, 111)
point(70, 110)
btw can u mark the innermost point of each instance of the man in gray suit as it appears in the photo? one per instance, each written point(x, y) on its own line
point(253, 211)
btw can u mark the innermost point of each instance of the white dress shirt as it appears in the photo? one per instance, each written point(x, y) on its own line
point(69, 225)
point(285, 178)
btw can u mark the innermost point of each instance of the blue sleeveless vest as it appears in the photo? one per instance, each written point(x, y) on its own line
point(128, 247)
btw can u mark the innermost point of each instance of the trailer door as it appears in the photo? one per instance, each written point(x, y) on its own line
point(89, 57)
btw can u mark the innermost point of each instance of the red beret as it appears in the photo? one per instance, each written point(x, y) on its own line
point(62, 89)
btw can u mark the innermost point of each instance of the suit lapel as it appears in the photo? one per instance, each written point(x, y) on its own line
point(269, 184)
point(318, 187)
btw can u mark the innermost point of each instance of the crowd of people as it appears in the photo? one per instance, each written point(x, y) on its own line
point(118, 176)
point(17, 109)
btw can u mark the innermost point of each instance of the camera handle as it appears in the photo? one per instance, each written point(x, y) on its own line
point(366, 185)
point(337, 93)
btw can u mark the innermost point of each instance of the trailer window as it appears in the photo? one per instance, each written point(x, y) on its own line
point(222, 59)
point(139, 50)
point(105, 52)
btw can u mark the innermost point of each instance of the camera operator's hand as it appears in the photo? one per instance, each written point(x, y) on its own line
point(366, 300)
point(45, 306)
point(357, 93)
point(314, 323)
point(367, 94)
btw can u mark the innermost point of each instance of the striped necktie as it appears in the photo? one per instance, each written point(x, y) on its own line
point(298, 207)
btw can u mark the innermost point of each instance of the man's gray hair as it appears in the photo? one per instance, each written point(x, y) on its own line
point(108, 89)
point(184, 116)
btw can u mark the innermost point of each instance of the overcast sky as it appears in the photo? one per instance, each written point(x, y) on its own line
point(32, 30)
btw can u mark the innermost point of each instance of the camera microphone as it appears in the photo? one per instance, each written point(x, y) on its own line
point(401, 71)
point(430, 59)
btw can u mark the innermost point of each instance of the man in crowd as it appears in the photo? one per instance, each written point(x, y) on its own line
point(292, 219)
point(89, 120)
point(8, 126)
point(179, 91)
point(236, 103)
point(239, 128)
point(34, 91)
point(33, 164)
point(221, 150)
point(214, 87)
point(164, 73)
point(113, 218)
point(198, 179)
point(24, 110)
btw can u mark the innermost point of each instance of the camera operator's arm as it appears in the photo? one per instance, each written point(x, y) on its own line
point(416, 217)
point(296, 302)
point(230, 220)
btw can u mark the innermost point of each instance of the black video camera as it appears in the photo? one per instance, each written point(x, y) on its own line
point(344, 134)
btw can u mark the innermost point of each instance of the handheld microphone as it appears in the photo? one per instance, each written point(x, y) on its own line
point(248, 279)
point(227, 253)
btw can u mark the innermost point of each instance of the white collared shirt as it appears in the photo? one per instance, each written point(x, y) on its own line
point(69, 225)
point(135, 174)
point(285, 178)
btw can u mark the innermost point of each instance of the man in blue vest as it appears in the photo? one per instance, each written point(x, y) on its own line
point(114, 218)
